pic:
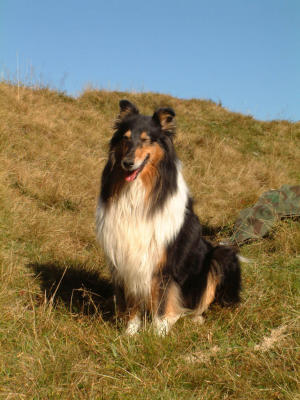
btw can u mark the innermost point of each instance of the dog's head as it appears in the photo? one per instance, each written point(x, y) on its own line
point(140, 142)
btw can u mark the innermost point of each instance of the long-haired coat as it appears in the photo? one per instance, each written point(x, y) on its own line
point(146, 224)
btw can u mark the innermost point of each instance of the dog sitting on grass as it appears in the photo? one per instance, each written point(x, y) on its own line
point(159, 261)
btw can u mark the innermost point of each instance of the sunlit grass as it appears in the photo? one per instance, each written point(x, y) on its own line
point(58, 334)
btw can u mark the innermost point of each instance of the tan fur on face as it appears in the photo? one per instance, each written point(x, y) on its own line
point(145, 136)
point(149, 173)
point(128, 134)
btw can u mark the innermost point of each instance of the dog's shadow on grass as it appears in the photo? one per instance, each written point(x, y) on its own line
point(81, 291)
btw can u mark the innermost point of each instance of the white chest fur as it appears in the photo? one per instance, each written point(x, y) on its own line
point(134, 242)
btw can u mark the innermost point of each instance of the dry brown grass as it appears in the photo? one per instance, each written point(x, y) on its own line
point(57, 337)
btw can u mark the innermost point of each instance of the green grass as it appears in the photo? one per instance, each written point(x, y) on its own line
point(59, 338)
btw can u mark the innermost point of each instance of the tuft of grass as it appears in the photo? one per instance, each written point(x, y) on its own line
point(58, 334)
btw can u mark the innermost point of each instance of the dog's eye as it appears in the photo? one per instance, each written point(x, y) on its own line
point(126, 138)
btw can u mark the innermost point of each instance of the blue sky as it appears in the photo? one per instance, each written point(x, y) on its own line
point(244, 53)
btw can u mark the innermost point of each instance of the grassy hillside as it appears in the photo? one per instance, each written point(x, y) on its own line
point(58, 336)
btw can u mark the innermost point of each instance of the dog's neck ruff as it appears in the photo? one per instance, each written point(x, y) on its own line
point(134, 241)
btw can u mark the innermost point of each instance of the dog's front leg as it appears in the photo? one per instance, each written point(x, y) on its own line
point(168, 305)
point(134, 323)
point(120, 301)
point(134, 316)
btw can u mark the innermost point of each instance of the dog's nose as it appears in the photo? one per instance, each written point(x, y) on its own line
point(127, 164)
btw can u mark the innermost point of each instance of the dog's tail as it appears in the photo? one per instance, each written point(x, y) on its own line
point(227, 267)
point(241, 258)
point(245, 259)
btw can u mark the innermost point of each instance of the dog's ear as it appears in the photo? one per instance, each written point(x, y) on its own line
point(127, 108)
point(165, 117)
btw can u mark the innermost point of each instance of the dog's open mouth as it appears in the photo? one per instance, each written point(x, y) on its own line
point(134, 174)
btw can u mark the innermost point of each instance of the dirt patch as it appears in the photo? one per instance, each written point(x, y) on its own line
point(202, 356)
point(268, 342)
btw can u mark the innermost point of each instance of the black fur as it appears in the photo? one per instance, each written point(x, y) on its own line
point(190, 258)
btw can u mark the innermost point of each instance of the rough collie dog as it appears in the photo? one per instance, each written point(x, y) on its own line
point(146, 224)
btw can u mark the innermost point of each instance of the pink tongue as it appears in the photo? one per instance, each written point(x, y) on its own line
point(132, 177)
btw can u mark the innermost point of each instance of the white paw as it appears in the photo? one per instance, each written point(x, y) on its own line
point(133, 326)
point(198, 319)
point(162, 326)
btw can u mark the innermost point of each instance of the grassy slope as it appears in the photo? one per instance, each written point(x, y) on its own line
point(57, 337)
